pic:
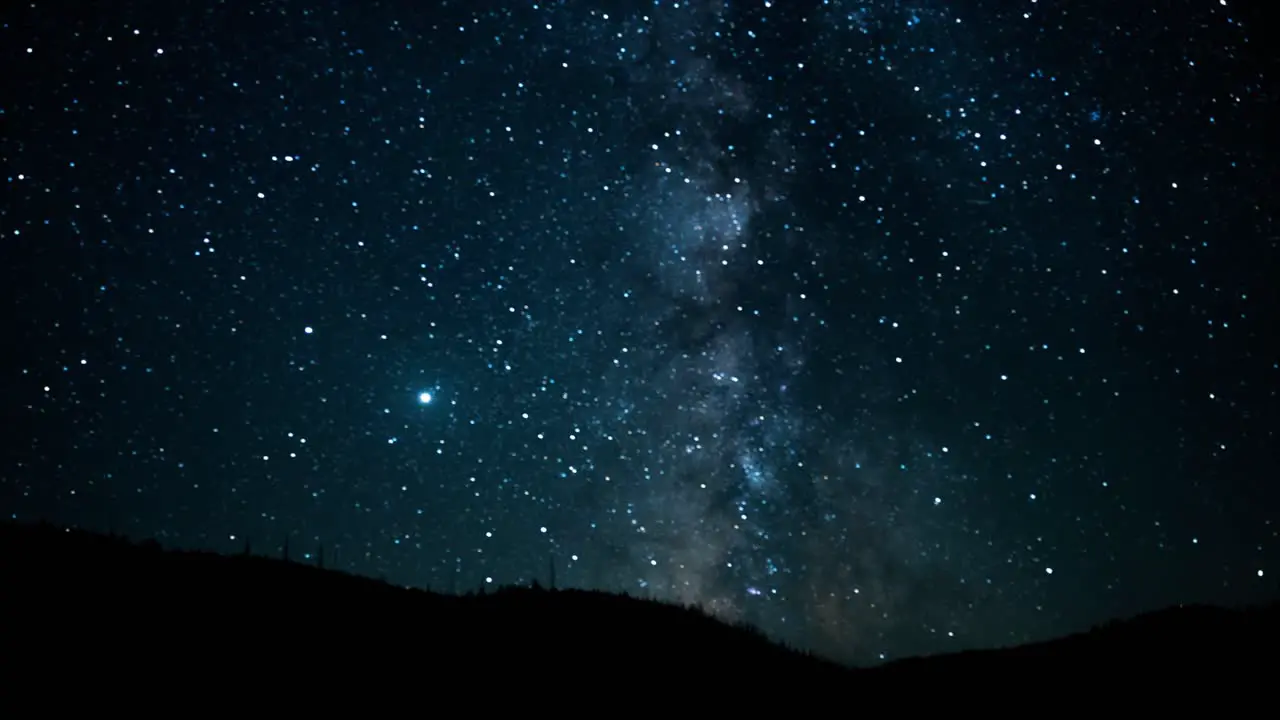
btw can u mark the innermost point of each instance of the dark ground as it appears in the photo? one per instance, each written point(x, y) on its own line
point(85, 608)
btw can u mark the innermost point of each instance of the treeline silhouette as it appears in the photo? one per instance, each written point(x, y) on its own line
point(74, 594)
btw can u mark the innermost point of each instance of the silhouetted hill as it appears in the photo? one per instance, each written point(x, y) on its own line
point(1190, 641)
point(81, 598)
point(66, 589)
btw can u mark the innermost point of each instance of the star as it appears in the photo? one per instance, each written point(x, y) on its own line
point(424, 398)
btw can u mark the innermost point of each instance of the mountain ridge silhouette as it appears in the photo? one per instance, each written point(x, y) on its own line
point(74, 593)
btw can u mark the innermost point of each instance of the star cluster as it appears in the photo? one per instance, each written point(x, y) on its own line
point(888, 327)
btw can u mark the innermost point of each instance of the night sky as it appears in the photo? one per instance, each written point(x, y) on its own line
point(890, 327)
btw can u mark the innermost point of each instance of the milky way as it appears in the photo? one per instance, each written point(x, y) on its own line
point(729, 482)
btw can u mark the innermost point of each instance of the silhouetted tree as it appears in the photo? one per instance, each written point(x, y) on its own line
point(248, 547)
point(320, 556)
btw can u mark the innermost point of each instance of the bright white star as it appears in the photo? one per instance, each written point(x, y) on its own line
point(424, 397)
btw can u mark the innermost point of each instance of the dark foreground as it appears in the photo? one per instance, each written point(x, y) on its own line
point(78, 608)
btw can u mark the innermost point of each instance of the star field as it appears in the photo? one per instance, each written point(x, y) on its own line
point(888, 327)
